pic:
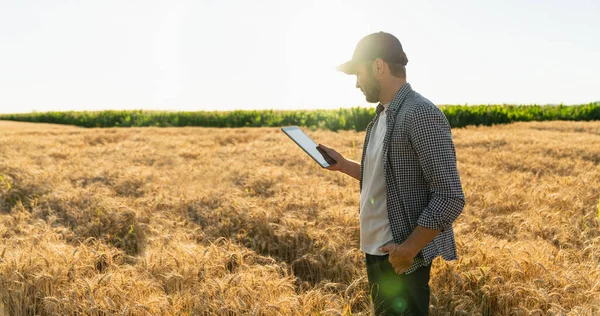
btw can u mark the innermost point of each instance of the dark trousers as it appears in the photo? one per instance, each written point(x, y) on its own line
point(397, 294)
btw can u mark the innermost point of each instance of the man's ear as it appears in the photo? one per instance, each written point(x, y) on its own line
point(378, 66)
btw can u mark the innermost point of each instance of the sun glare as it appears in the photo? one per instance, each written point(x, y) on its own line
point(321, 37)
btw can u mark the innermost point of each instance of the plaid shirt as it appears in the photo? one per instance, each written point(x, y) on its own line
point(421, 178)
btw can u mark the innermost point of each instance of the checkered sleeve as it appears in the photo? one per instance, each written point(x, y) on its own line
point(431, 138)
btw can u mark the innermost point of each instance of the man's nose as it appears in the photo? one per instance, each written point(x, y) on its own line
point(357, 86)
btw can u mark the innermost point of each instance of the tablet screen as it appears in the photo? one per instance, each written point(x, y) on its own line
point(309, 146)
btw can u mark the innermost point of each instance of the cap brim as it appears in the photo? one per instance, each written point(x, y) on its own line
point(348, 68)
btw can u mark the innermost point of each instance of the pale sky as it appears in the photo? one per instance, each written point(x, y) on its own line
point(223, 55)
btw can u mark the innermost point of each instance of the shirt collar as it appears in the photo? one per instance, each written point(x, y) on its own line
point(404, 90)
point(382, 107)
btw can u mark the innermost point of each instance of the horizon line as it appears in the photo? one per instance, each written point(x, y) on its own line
point(296, 109)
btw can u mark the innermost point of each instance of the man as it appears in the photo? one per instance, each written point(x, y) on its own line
point(410, 190)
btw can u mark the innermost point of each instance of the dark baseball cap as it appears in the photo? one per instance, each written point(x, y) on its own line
point(377, 45)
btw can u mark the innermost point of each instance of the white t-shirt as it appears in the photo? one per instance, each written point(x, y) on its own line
point(375, 228)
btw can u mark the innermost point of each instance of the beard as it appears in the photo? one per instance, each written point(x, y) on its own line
point(371, 89)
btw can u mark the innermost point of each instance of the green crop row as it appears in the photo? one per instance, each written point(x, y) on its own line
point(343, 119)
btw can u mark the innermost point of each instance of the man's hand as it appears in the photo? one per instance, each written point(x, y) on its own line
point(340, 160)
point(403, 255)
point(347, 166)
point(400, 256)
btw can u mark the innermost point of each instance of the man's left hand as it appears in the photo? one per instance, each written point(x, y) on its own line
point(400, 256)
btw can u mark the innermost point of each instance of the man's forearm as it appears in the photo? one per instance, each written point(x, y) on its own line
point(419, 238)
point(351, 168)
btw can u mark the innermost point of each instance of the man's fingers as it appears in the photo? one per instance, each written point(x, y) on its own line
point(399, 270)
point(389, 248)
point(328, 150)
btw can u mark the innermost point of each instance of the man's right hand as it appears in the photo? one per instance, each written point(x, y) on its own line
point(340, 160)
point(347, 166)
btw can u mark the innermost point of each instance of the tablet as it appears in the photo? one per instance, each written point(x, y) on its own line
point(308, 145)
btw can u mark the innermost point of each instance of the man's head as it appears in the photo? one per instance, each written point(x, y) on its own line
point(378, 60)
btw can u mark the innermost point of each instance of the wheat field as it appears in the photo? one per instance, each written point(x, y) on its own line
point(199, 221)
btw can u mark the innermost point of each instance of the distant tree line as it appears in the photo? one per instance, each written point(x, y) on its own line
point(342, 119)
